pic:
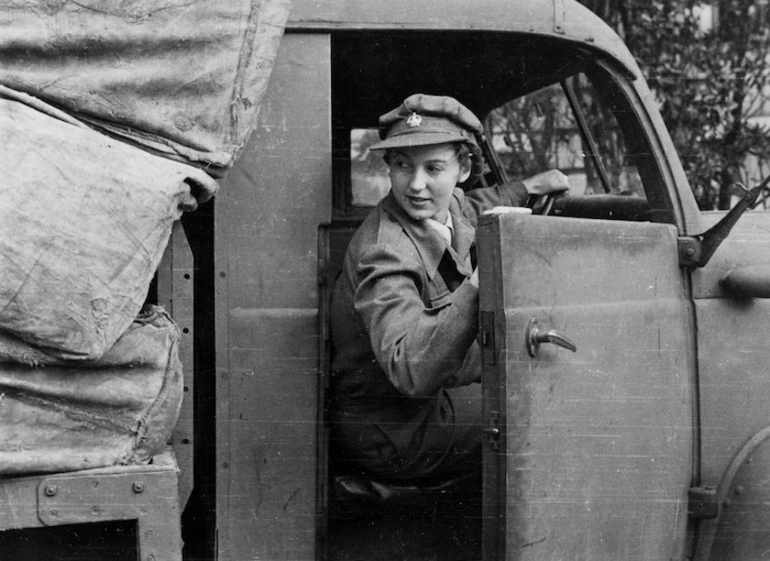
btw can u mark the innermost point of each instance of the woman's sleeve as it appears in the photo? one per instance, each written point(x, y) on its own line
point(419, 348)
point(476, 201)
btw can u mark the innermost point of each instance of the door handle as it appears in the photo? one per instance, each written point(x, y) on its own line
point(536, 337)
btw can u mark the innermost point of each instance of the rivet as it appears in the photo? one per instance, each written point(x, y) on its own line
point(51, 490)
point(138, 487)
point(739, 490)
point(95, 510)
point(54, 513)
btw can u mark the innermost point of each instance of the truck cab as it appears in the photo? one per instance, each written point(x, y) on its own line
point(623, 329)
point(632, 446)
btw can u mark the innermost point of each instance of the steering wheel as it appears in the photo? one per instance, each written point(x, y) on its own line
point(543, 204)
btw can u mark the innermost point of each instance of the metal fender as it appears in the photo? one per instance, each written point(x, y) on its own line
point(741, 531)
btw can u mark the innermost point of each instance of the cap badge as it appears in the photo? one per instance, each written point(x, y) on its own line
point(414, 120)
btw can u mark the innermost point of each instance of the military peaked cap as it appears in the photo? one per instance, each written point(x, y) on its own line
point(428, 119)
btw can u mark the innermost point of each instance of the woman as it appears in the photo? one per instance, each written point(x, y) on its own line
point(406, 402)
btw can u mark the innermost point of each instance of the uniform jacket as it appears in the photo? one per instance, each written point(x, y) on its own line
point(404, 322)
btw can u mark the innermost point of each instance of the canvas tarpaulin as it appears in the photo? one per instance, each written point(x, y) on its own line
point(115, 118)
point(119, 409)
point(184, 77)
point(84, 222)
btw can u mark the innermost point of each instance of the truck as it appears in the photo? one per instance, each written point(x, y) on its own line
point(623, 329)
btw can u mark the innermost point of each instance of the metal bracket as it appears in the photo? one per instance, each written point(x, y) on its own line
point(558, 16)
point(703, 503)
point(689, 251)
point(82, 497)
point(147, 494)
point(696, 251)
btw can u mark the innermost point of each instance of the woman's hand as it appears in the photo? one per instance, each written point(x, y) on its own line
point(551, 181)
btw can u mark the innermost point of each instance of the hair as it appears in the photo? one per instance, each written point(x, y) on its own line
point(470, 158)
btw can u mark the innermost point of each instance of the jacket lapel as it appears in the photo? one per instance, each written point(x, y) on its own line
point(429, 243)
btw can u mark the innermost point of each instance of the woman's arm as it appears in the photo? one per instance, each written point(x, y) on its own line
point(419, 348)
point(476, 201)
point(513, 193)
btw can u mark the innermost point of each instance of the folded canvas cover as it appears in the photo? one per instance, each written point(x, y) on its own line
point(84, 222)
point(184, 77)
point(115, 117)
point(119, 409)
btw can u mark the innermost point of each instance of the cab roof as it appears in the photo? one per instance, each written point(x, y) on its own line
point(565, 20)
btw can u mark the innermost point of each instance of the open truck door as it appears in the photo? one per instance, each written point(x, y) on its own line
point(588, 453)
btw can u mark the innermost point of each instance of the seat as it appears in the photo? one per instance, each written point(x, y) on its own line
point(354, 494)
point(153, 495)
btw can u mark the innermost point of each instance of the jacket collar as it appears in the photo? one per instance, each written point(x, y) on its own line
point(429, 243)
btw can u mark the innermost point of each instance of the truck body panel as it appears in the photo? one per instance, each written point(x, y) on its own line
point(267, 326)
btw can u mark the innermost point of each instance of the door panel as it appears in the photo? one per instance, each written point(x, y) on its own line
point(733, 359)
point(595, 450)
point(733, 354)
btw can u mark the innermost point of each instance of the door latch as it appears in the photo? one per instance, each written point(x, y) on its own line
point(536, 337)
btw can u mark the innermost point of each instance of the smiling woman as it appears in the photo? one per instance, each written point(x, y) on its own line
point(406, 366)
point(423, 179)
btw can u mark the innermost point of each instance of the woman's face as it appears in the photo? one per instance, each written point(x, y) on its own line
point(422, 179)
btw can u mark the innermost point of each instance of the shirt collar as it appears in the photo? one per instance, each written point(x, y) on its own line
point(444, 229)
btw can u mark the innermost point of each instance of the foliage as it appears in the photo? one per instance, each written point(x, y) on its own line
point(540, 131)
point(710, 85)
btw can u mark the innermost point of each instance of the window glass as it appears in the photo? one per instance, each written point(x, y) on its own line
point(369, 177)
point(542, 130)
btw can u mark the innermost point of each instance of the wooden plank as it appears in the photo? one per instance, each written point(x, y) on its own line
point(175, 293)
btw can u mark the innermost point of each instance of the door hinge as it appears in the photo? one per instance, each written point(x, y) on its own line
point(690, 250)
point(703, 503)
point(487, 337)
point(492, 431)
